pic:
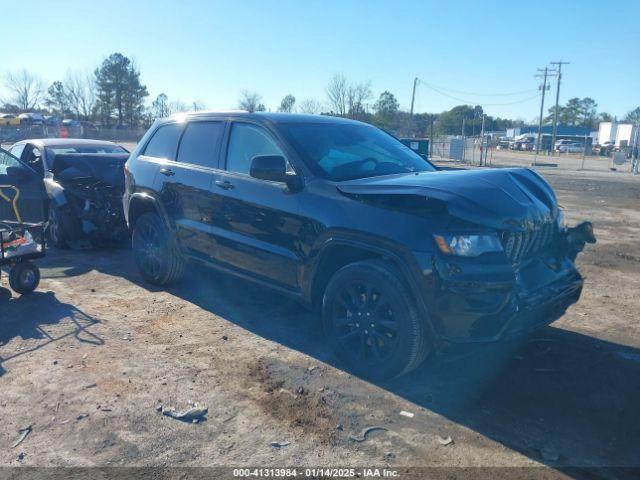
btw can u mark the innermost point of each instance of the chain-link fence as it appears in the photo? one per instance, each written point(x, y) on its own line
point(474, 152)
point(469, 151)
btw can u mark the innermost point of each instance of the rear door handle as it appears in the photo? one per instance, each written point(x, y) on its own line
point(167, 172)
point(226, 184)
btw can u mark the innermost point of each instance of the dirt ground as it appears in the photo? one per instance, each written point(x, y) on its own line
point(87, 358)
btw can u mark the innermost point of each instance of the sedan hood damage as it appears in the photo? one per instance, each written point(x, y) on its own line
point(504, 199)
point(87, 189)
point(103, 167)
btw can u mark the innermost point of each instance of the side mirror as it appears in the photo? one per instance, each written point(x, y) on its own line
point(18, 173)
point(269, 167)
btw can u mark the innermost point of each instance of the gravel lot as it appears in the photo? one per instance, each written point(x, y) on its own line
point(86, 359)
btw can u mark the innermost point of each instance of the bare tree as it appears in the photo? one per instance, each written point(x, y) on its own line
point(197, 105)
point(81, 93)
point(310, 105)
point(57, 99)
point(160, 107)
point(337, 91)
point(357, 98)
point(250, 101)
point(27, 90)
point(178, 106)
point(347, 99)
point(287, 104)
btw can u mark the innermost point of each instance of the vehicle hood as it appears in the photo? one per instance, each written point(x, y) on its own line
point(505, 199)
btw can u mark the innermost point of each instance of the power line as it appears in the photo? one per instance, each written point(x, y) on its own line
point(523, 100)
point(475, 94)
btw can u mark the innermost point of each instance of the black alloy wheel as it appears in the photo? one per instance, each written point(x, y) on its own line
point(364, 322)
point(156, 253)
point(372, 320)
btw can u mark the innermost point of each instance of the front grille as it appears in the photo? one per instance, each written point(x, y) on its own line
point(521, 245)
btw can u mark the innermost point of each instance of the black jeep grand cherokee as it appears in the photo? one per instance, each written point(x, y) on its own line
point(402, 259)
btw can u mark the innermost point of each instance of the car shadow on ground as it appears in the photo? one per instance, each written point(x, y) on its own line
point(36, 320)
point(60, 263)
point(559, 397)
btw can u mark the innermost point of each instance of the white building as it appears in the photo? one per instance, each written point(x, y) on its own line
point(622, 134)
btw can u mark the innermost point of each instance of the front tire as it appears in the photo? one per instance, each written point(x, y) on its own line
point(55, 228)
point(372, 321)
point(156, 252)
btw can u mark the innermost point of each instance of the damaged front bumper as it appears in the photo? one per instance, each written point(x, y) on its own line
point(87, 217)
point(489, 300)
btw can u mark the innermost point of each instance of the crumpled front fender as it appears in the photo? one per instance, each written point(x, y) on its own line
point(55, 191)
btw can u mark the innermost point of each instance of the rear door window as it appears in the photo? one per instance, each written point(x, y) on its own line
point(200, 143)
point(164, 143)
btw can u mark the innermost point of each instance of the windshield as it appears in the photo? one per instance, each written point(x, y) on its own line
point(87, 149)
point(339, 151)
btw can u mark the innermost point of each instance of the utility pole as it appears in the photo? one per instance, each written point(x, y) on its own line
point(482, 149)
point(464, 140)
point(413, 99)
point(473, 124)
point(473, 134)
point(584, 152)
point(544, 89)
point(634, 151)
point(555, 113)
point(413, 95)
point(431, 139)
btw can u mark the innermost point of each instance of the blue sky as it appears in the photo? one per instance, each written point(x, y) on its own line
point(212, 50)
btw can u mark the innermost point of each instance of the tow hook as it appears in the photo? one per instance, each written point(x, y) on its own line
point(576, 238)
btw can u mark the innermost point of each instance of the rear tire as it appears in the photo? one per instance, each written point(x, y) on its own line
point(24, 277)
point(373, 322)
point(157, 254)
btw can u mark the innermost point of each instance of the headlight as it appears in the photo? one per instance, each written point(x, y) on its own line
point(468, 245)
point(562, 224)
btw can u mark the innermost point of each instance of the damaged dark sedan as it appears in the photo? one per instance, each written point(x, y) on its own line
point(401, 259)
point(85, 181)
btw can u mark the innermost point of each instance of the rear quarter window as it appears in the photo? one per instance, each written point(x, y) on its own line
point(164, 142)
point(200, 143)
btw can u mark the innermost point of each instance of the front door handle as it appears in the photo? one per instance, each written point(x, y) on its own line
point(226, 184)
point(167, 172)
